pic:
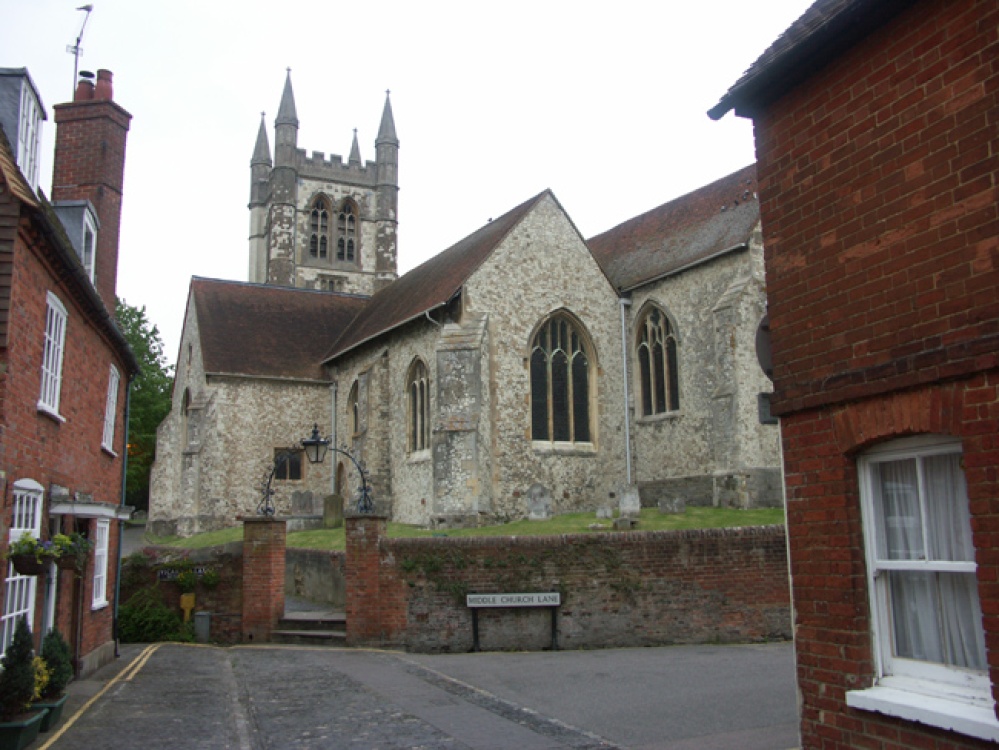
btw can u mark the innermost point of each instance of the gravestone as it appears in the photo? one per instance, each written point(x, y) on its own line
point(333, 511)
point(605, 511)
point(672, 505)
point(303, 503)
point(539, 503)
point(630, 502)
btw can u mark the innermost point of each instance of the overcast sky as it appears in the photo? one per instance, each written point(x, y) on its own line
point(603, 102)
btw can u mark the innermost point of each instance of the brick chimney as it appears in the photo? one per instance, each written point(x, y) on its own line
point(90, 165)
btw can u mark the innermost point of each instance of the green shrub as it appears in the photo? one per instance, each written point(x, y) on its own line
point(55, 652)
point(17, 680)
point(146, 619)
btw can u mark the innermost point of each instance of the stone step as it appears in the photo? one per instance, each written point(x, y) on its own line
point(309, 637)
point(314, 621)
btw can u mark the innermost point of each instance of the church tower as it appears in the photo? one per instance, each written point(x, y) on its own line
point(316, 222)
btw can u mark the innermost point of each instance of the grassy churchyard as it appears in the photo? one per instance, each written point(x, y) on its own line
point(570, 523)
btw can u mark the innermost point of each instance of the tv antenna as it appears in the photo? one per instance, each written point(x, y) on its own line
point(75, 49)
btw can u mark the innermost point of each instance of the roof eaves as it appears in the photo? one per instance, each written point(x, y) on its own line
point(423, 314)
point(683, 269)
point(797, 59)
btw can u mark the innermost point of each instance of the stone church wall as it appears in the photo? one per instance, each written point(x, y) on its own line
point(540, 268)
point(714, 450)
point(213, 455)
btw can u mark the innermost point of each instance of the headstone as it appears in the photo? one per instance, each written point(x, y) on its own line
point(333, 511)
point(303, 503)
point(539, 503)
point(605, 511)
point(625, 523)
point(630, 502)
point(672, 505)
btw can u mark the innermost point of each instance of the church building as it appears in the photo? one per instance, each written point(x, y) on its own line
point(522, 370)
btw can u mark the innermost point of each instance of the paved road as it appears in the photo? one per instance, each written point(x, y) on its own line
point(272, 698)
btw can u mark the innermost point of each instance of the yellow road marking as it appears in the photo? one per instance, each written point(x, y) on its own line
point(131, 670)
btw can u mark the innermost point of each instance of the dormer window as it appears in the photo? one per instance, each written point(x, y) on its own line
point(29, 134)
point(81, 224)
point(89, 246)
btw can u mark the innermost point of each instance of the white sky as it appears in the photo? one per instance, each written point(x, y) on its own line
point(604, 103)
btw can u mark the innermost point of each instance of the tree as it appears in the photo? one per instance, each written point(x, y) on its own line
point(149, 401)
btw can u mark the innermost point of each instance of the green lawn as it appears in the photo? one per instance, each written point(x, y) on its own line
point(569, 523)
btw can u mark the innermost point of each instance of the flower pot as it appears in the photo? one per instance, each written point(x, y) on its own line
point(54, 706)
point(28, 565)
point(16, 735)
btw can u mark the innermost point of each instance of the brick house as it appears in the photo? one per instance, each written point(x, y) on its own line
point(876, 132)
point(64, 364)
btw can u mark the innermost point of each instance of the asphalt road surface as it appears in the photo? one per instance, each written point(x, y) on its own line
point(269, 697)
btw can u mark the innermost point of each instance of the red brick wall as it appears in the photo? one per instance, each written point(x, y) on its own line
point(878, 198)
point(90, 164)
point(263, 576)
point(879, 207)
point(833, 641)
point(68, 454)
point(627, 589)
point(224, 601)
point(376, 600)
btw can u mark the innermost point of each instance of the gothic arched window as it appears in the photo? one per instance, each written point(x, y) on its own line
point(418, 400)
point(346, 229)
point(657, 364)
point(319, 228)
point(560, 383)
point(353, 412)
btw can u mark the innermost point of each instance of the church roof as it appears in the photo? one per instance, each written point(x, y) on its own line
point(822, 33)
point(268, 331)
point(432, 284)
point(698, 226)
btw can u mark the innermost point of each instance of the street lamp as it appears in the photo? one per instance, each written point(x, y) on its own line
point(316, 447)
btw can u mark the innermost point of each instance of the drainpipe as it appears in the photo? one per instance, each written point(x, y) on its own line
point(333, 388)
point(626, 303)
point(121, 523)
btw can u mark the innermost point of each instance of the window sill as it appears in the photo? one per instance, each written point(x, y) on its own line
point(666, 416)
point(564, 449)
point(96, 606)
point(109, 451)
point(418, 457)
point(48, 411)
point(971, 719)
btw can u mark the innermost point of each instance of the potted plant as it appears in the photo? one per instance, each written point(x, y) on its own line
point(18, 725)
point(55, 653)
point(29, 556)
point(71, 551)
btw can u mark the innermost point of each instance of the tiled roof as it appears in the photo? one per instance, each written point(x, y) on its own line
point(824, 30)
point(711, 220)
point(432, 284)
point(268, 331)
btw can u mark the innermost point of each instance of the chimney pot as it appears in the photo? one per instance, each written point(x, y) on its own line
point(84, 87)
point(103, 90)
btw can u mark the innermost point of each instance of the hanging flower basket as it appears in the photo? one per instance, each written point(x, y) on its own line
point(29, 565)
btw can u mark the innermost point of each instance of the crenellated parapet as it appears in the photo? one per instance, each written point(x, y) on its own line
point(319, 221)
point(317, 166)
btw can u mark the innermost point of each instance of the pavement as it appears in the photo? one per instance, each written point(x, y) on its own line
point(175, 696)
